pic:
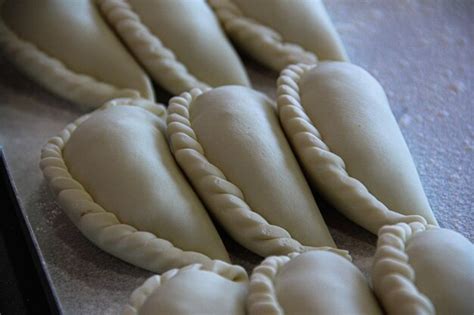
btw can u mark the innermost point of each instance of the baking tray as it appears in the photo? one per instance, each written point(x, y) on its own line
point(420, 51)
point(26, 286)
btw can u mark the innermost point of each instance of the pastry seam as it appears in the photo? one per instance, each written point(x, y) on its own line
point(262, 298)
point(54, 75)
point(246, 226)
point(326, 168)
point(393, 278)
point(103, 228)
point(266, 43)
point(143, 292)
point(159, 61)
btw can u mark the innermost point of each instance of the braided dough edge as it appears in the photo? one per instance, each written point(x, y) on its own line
point(54, 75)
point(262, 298)
point(393, 278)
point(262, 42)
point(224, 199)
point(160, 62)
point(328, 170)
point(103, 228)
point(141, 294)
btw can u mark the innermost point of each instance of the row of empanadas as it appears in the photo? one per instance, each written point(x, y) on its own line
point(349, 144)
point(114, 175)
point(230, 145)
point(70, 49)
point(179, 42)
point(418, 269)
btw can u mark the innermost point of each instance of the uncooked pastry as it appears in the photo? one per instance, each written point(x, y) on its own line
point(421, 269)
point(194, 289)
point(316, 282)
point(280, 32)
point(67, 47)
point(229, 143)
point(114, 176)
point(340, 125)
point(179, 42)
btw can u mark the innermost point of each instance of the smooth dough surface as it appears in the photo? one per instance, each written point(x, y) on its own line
point(303, 22)
point(192, 32)
point(197, 292)
point(74, 33)
point(351, 111)
point(122, 159)
point(443, 261)
point(321, 282)
point(240, 134)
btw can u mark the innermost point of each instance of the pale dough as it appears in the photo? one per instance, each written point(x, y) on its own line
point(179, 42)
point(424, 270)
point(340, 124)
point(230, 144)
point(315, 282)
point(280, 32)
point(114, 176)
point(191, 290)
point(68, 48)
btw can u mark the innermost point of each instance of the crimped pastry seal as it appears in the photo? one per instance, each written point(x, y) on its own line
point(278, 33)
point(51, 42)
point(338, 120)
point(423, 269)
point(230, 145)
point(315, 282)
point(195, 289)
point(113, 174)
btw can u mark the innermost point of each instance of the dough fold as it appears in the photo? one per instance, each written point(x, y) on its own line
point(339, 123)
point(315, 282)
point(423, 269)
point(67, 48)
point(278, 32)
point(114, 176)
point(230, 145)
point(194, 289)
point(179, 42)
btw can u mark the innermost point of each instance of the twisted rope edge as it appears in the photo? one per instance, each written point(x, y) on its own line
point(262, 298)
point(224, 199)
point(103, 228)
point(54, 75)
point(160, 61)
point(327, 169)
point(393, 278)
point(143, 292)
point(262, 42)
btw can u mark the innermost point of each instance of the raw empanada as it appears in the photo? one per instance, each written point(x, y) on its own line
point(179, 42)
point(195, 289)
point(316, 282)
point(68, 48)
point(421, 269)
point(339, 122)
point(113, 174)
point(280, 32)
point(229, 143)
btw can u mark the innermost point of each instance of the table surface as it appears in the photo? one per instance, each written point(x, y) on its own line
point(420, 51)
